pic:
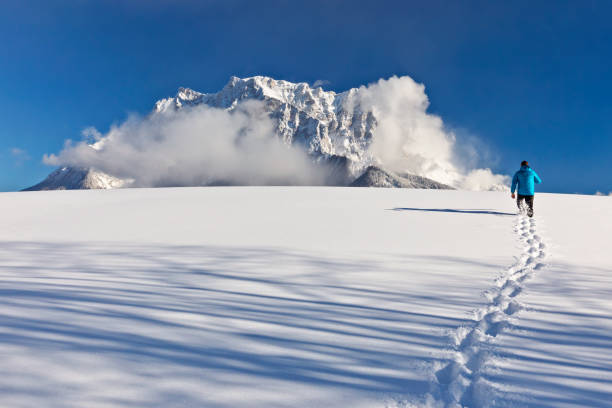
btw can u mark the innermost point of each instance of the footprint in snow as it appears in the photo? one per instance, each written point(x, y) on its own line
point(449, 373)
point(513, 307)
point(496, 328)
point(477, 361)
point(516, 292)
point(511, 289)
point(460, 379)
point(523, 277)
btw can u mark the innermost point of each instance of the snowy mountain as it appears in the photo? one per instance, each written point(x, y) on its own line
point(317, 119)
point(331, 127)
point(76, 178)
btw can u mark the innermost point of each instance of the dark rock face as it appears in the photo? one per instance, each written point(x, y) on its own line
point(377, 177)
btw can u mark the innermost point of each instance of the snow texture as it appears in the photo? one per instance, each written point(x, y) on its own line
point(303, 297)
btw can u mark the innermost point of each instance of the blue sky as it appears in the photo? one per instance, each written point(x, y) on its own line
point(529, 78)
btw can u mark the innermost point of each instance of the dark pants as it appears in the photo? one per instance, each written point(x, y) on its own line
point(528, 200)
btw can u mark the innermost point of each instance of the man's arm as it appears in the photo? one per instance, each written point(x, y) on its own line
point(536, 178)
point(514, 183)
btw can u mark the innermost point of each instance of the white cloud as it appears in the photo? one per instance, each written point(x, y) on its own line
point(91, 134)
point(320, 83)
point(409, 139)
point(17, 152)
point(484, 179)
point(19, 155)
point(195, 146)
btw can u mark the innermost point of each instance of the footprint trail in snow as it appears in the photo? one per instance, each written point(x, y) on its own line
point(460, 382)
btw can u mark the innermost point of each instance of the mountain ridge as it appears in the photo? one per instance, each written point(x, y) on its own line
point(331, 127)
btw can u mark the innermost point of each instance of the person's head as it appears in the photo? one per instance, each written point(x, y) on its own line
point(524, 163)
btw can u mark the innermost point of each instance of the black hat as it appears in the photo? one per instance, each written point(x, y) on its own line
point(524, 163)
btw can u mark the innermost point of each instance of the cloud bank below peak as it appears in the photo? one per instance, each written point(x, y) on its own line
point(193, 147)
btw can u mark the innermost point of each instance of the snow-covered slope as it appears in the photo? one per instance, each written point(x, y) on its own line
point(303, 297)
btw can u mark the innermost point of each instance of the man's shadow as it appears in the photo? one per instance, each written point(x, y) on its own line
point(449, 210)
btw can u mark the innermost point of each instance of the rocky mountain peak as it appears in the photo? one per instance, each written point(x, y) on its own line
point(330, 127)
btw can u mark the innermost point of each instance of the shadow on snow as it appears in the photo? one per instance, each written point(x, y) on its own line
point(223, 314)
point(450, 210)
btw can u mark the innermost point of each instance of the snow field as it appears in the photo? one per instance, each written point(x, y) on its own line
point(302, 297)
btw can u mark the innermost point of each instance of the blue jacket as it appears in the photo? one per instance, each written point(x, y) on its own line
point(525, 178)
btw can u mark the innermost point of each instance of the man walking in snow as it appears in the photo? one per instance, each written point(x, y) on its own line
point(525, 179)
